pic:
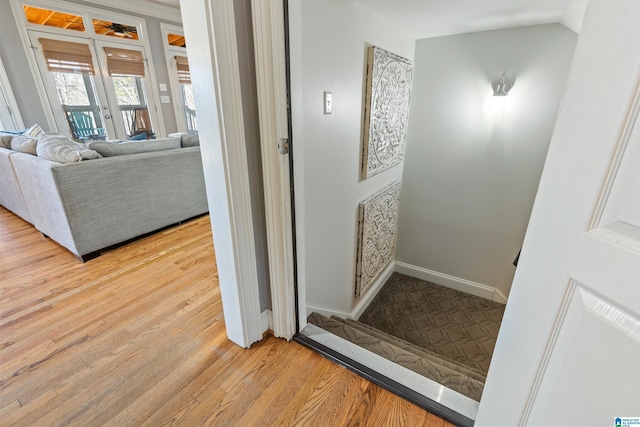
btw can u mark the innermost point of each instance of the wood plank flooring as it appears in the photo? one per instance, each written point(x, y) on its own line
point(136, 337)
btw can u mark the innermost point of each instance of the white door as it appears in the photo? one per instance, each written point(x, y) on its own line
point(109, 101)
point(73, 93)
point(127, 90)
point(568, 352)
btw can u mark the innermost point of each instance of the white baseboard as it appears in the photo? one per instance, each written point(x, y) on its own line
point(463, 285)
point(326, 312)
point(363, 303)
point(266, 320)
point(371, 293)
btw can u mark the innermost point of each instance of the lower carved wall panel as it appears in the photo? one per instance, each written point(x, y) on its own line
point(377, 233)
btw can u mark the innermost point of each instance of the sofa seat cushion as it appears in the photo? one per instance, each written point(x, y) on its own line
point(62, 149)
point(110, 149)
point(24, 144)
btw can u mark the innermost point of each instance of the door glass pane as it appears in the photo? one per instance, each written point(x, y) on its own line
point(71, 89)
point(186, 90)
point(132, 103)
point(189, 106)
point(77, 96)
point(127, 90)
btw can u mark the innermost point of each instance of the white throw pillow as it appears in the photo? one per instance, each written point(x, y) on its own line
point(60, 148)
point(34, 131)
point(5, 139)
point(24, 144)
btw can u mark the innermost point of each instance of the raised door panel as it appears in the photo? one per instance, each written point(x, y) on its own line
point(597, 343)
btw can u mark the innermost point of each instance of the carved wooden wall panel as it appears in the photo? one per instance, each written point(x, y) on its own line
point(388, 89)
point(377, 231)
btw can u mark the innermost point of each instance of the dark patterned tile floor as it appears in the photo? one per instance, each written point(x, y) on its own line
point(457, 325)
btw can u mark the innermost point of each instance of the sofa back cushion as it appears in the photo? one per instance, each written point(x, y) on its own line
point(187, 139)
point(24, 144)
point(109, 149)
point(60, 148)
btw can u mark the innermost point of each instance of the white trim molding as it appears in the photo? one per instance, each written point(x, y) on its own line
point(268, 33)
point(325, 312)
point(463, 285)
point(297, 124)
point(266, 318)
point(12, 109)
point(373, 291)
point(143, 7)
point(363, 303)
point(213, 56)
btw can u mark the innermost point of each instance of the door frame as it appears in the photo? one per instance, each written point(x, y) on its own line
point(209, 25)
point(210, 29)
point(269, 45)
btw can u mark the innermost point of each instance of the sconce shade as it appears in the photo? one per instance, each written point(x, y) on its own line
point(502, 86)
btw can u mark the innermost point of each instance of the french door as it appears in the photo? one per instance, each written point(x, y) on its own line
point(96, 89)
point(123, 73)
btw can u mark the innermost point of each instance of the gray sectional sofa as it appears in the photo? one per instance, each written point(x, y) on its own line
point(90, 205)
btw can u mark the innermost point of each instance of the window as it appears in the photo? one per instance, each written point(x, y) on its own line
point(114, 29)
point(53, 18)
point(176, 40)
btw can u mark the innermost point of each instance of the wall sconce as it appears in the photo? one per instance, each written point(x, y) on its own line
point(502, 86)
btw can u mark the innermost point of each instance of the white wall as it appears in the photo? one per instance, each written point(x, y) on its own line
point(18, 71)
point(470, 176)
point(329, 54)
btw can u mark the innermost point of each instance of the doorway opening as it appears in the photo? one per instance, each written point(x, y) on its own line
point(469, 176)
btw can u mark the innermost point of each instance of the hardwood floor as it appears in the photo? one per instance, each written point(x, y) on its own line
point(136, 337)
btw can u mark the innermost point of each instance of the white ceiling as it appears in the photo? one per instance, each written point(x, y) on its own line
point(171, 3)
point(432, 18)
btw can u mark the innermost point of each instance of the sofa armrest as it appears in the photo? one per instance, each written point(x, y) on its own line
point(42, 198)
point(11, 196)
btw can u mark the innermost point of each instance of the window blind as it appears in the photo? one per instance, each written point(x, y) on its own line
point(184, 76)
point(67, 57)
point(124, 62)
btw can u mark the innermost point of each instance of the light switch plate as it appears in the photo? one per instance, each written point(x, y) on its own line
point(163, 87)
point(328, 102)
point(165, 99)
